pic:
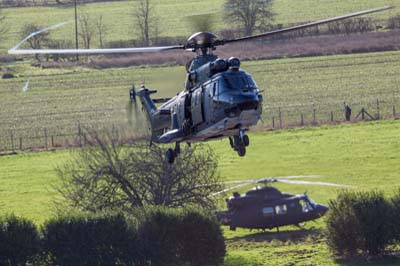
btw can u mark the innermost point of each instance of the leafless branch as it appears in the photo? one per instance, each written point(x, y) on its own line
point(109, 176)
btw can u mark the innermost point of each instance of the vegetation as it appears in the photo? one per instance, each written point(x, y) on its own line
point(160, 237)
point(360, 222)
point(19, 241)
point(172, 13)
point(181, 238)
point(250, 15)
point(63, 99)
point(363, 155)
point(91, 240)
point(116, 177)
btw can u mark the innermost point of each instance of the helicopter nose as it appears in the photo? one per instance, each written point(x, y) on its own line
point(321, 209)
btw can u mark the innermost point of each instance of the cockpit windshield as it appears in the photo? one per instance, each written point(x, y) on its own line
point(235, 81)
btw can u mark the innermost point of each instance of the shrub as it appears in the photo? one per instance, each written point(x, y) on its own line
point(19, 241)
point(179, 237)
point(359, 221)
point(157, 236)
point(395, 216)
point(341, 222)
point(95, 240)
point(201, 238)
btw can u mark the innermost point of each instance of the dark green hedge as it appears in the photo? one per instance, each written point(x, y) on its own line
point(361, 222)
point(97, 240)
point(162, 237)
point(185, 237)
point(19, 241)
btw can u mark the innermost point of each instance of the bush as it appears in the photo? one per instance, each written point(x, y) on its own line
point(201, 238)
point(395, 216)
point(359, 222)
point(172, 237)
point(96, 240)
point(19, 241)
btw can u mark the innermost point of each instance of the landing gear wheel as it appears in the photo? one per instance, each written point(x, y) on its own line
point(246, 140)
point(170, 156)
point(241, 150)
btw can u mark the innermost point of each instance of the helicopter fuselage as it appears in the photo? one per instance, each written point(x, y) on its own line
point(268, 208)
point(220, 100)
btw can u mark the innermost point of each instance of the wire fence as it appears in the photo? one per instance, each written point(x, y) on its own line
point(47, 138)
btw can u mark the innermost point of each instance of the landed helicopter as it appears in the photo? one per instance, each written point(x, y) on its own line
point(266, 207)
point(220, 100)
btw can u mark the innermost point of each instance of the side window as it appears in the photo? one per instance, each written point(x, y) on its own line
point(268, 211)
point(305, 206)
point(214, 89)
point(281, 209)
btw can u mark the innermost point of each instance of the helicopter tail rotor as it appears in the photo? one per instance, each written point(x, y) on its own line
point(132, 109)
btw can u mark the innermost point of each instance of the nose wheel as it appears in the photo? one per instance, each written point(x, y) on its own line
point(171, 154)
point(239, 143)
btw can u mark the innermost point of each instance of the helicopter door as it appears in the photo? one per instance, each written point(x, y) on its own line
point(197, 112)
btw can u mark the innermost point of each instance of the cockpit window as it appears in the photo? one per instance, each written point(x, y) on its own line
point(238, 81)
point(306, 206)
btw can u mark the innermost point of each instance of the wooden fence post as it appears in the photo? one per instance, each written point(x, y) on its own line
point(314, 116)
point(273, 122)
point(12, 140)
point(280, 118)
point(302, 120)
point(332, 116)
point(20, 143)
point(394, 111)
point(378, 109)
point(45, 139)
point(52, 141)
point(80, 134)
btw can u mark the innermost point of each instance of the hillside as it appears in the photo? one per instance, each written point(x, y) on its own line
point(173, 16)
point(57, 99)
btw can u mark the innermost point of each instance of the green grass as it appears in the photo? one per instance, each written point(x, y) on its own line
point(58, 99)
point(173, 16)
point(363, 155)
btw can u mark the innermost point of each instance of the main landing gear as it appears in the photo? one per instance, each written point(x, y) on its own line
point(239, 143)
point(171, 154)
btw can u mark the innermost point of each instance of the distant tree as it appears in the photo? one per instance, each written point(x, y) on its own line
point(101, 30)
point(87, 30)
point(146, 21)
point(201, 22)
point(109, 176)
point(249, 15)
point(37, 41)
point(3, 26)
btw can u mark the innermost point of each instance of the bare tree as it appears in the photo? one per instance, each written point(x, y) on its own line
point(249, 15)
point(37, 41)
point(146, 21)
point(101, 30)
point(3, 27)
point(87, 30)
point(109, 176)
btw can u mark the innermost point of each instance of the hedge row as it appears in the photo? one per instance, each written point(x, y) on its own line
point(363, 223)
point(160, 237)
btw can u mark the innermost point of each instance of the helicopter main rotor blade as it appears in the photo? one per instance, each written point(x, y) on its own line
point(299, 182)
point(308, 25)
point(15, 50)
point(230, 189)
point(98, 51)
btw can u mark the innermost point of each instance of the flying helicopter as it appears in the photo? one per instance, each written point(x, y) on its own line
point(220, 100)
point(265, 207)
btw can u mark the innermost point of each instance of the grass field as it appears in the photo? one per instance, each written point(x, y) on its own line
point(363, 155)
point(173, 16)
point(58, 99)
